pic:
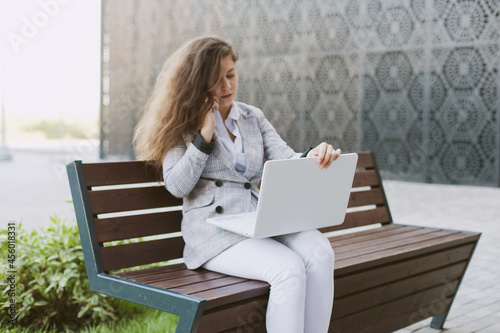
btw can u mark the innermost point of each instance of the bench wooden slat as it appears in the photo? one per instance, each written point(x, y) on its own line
point(253, 326)
point(362, 236)
point(393, 323)
point(344, 266)
point(429, 235)
point(119, 173)
point(414, 284)
point(169, 275)
point(123, 200)
point(179, 278)
point(377, 241)
point(359, 322)
point(135, 274)
point(142, 253)
point(187, 280)
point(233, 293)
point(363, 198)
point(365, 178)
point(127, 227)
point(251, 311)
point(355, 282)
point(362, 218)
point(360, 233)
point(365, 160)
point(208, 285)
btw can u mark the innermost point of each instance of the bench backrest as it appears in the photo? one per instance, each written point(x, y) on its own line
point(124, 201)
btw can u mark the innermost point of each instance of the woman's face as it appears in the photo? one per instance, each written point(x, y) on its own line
point(227, 87)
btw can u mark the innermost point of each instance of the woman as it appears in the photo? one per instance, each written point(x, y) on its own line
point(212, 149)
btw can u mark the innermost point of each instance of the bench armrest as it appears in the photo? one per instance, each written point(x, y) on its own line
point(188, 308)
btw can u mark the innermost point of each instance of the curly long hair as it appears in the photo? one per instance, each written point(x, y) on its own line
point(181, 97)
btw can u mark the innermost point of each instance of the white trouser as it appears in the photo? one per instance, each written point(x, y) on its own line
point(299, 268)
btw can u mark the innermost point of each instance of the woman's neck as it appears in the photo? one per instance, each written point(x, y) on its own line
point(224, 112)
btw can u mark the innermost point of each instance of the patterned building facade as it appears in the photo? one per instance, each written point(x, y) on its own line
point(415, 81)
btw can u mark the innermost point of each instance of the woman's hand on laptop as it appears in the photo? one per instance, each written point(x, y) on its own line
point(325, 153)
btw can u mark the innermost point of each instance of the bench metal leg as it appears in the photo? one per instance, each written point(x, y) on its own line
point(438, 321)
point(189, 322)
point(185, 325)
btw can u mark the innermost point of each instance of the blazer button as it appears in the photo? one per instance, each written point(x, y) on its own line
point(218, 183)
point(247, 186)
point(219, 209)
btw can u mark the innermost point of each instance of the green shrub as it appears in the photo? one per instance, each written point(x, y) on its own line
point(52, 291)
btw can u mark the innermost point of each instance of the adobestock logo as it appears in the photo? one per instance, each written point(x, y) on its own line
point(31, 26)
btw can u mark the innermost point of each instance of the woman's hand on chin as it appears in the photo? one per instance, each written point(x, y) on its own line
point(208, 127)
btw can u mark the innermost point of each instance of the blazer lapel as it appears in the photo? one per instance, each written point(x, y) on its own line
point(222, 154)
point(252, 150)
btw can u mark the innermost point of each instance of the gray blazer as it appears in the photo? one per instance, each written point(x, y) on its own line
point(210, 185)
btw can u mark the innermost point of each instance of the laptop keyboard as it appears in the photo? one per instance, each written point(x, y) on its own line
point(238, 217)
point(244, 221)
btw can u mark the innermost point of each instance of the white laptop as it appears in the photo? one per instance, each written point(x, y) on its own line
point(296, 195)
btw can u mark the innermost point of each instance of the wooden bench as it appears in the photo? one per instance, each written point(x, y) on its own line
point(386, 277)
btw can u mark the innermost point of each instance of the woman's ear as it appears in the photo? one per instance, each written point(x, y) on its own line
point(209, 97)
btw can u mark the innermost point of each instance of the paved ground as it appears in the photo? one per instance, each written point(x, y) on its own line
point(34, 185)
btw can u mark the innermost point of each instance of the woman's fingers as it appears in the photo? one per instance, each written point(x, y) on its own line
point(329, 157)
point(326, 154)
point(216, 103)
point(208, 126)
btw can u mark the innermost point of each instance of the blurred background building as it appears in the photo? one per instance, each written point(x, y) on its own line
point(417, 82)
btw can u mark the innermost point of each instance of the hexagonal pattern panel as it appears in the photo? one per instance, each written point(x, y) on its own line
point(394, 71)
point(393, 116)
point(417, 81)
point(462, 162)
point(464, 68)
point(466, 20)
point(427, 91)
point(395, 27)
point(461, 117)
